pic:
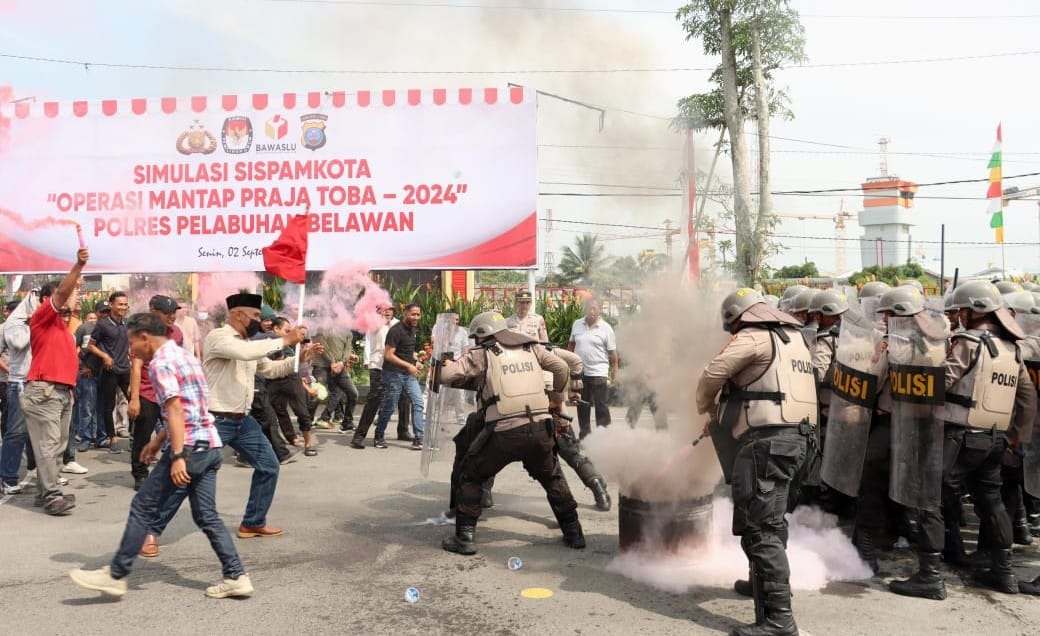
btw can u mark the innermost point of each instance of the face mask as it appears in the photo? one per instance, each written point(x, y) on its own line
point(253, 328)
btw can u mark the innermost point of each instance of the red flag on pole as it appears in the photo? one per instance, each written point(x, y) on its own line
point(287, 256)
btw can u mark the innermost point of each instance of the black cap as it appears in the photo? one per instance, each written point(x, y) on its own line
point(103, 307)
point(523, 294)
point(164, 304)
point(253, 301)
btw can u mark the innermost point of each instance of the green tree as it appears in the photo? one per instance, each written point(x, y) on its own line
point(584, 264)
point(754, 38)
point(496, 277)
point(805, 270)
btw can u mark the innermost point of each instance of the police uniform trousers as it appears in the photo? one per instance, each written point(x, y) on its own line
point(767, 474)
point(569, 450)
point(873, 507)
point(531, 444)
point(972, 463)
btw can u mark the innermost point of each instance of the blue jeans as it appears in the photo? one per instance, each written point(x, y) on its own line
point(16, 438)
point(202, 465)
point(84, 416)
point(393, 384)
point(246, 437)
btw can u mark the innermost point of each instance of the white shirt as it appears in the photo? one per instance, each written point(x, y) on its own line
point(593, 345)
point(375, 346)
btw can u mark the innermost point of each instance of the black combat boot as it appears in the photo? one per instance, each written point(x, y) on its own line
point(1020, 527)
point(600, 492)
point(1030, 587)
point(867, 549)
point(927, 582)
point(1034, 524)
point(573, 537)
point(777, 617)
point(462, 541)
point(999, 576)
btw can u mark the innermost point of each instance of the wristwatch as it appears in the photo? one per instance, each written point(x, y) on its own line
point(182, 454)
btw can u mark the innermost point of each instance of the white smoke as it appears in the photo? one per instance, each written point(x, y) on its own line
point(818, 551)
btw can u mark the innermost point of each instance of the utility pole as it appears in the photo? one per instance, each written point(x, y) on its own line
point(549, 259)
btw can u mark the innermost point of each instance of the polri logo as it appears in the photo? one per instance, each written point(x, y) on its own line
point(313, 134)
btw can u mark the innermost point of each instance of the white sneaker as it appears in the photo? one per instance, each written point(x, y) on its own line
point(99, 581)
point(10, 489)
point(241, 586)
point(62, 481)
point(30, 478)
point(74, 468)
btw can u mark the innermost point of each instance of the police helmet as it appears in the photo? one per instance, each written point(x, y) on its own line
point(1008, 287)
point(1030, 287)
point(873, 289)
point(829, 303)
point(771, 300)
point(1021, 302)
point(977, 295)
point(802, 301)
point(486, 324)
point(738, 302)
point(902, 301)
point(788, 296)
point(912, 282)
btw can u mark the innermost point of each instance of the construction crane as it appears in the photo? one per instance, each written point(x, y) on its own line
point(840, 261)
point(667, 233)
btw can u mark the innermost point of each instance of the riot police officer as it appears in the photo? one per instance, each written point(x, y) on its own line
point(766, 391)
point(799, 305)
point(784, 304)
point(506, 369)
point(990, 406)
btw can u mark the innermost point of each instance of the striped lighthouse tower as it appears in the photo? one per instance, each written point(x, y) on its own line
point(887, 217)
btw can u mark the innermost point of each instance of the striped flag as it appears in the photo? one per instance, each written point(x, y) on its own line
point(994, 195)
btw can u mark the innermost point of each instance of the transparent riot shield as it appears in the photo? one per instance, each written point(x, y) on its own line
point(868, 308)
point(1030, 351)
point(446, 407)
point(853, 392)
point(917, 379)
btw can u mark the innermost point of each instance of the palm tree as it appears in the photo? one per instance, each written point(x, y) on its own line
point(584, 264)
point(725, 246)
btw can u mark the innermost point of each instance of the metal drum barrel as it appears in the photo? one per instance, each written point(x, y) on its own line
point(669, 526)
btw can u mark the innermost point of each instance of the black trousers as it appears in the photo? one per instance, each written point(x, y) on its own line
point(111, 382)
point(372, 402)
point(569, 450)
point(972, 464)
point(594, 390)
point(530, 444)
point(283, 394)
point(143, 426)
point(3, 409)
point(872, 506)
point(767, 474)
point(264, 415)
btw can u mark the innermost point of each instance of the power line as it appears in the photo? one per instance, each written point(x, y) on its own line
point(661, 12)
point(88, 64)
point(802, 237)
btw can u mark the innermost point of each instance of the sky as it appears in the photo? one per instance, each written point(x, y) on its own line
point(865, 80)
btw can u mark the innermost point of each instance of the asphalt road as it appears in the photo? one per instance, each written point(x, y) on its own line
point(359, 533)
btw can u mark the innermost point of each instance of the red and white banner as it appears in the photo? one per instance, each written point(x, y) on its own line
point(393, 179)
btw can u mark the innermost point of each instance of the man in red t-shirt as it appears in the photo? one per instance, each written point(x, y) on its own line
point(47, 398)
point(143, 408)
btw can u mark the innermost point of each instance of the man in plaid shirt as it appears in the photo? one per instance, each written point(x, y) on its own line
point(190, 459)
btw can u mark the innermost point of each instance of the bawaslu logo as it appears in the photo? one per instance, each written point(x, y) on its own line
point(277, 130)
